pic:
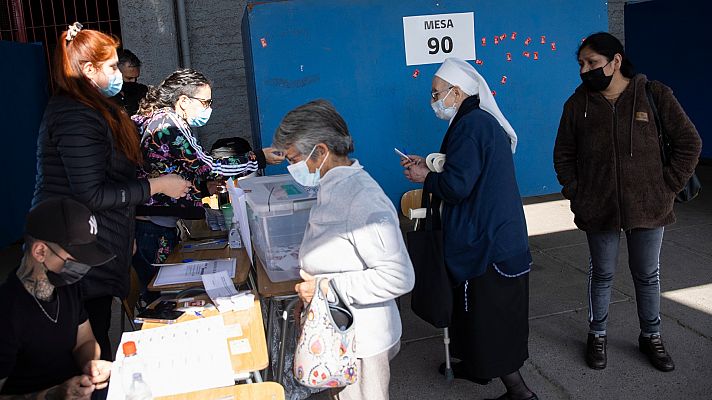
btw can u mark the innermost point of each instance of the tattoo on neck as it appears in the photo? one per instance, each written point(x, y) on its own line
point(35, 283)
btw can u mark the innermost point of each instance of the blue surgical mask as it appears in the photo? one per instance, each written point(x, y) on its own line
point(116, 81)
point(201, 119)
point(443, 112)
point(300, 171)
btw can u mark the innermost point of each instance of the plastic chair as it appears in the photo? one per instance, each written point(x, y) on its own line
point(411, 202)
point(131, 301)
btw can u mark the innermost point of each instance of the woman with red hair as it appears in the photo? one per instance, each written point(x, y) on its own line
point(88, 149)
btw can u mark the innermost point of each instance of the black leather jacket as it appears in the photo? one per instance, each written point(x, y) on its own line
point(76, 158)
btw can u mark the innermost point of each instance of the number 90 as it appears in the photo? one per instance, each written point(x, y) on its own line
point(436, 45)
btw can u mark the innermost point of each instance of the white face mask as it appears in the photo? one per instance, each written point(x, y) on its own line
point(443, 112)
point(300, 171)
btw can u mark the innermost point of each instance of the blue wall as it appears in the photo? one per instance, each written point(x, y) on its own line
point(666, 40)
point(23, 97)
point(352, 53)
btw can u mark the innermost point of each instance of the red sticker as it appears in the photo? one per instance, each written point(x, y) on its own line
point(509, 56)
point(504, 79)
point(479, 62)
point(264, 42)
point(526, 54)
point(543, 39)
point(526, 42)
point(496, 40)
point(553, 46)
point(484, 41)
point(514, 36)
point(416, 73)
point(536, 55)
point(494, 93)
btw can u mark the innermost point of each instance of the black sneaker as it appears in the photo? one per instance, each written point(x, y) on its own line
point(655, 350)
point(596, 351)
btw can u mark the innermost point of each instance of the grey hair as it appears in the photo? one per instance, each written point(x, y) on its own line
point(182, 82)
point(310, 124)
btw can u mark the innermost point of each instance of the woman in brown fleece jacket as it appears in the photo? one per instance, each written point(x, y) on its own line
point(607, 158)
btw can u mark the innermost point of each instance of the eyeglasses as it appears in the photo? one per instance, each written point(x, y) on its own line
point(205, 102)
point(292, 159)
point(435, 95)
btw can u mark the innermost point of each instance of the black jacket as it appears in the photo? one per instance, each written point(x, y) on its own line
point(76, 158)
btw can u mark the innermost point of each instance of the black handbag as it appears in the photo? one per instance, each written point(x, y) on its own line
point(432, 297)
point(693, 186)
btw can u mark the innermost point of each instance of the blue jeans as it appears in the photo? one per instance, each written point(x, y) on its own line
point(153, 244)
point(644, 263)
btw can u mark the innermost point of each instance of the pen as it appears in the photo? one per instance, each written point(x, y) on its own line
point(154, 320)
point(188, 246)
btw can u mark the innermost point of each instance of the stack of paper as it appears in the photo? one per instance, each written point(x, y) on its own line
point(192, 271)
point(178, 358)
point(224, 295)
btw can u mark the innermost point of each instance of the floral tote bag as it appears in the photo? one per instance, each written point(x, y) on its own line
point(325, 353)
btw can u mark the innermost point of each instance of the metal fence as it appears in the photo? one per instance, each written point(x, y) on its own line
point(43, 21)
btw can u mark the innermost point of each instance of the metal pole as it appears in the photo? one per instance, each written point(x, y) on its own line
point(183, 33)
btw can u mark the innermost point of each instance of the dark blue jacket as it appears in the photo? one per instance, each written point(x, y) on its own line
point(483, 220)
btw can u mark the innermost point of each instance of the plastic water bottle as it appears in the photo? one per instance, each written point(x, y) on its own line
point(132, 375)
point(234, 239)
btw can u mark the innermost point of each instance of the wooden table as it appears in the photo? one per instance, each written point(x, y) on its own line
point(250, 321)
point(253, 391)
point(242, 268)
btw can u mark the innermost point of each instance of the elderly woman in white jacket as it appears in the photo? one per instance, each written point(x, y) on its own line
point(352, 239)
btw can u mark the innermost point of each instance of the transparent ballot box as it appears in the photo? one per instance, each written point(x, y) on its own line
point(278, 211)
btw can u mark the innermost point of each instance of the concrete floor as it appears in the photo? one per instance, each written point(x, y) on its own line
point(558, 317)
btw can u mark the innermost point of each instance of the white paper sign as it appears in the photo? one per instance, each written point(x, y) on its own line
point(179, 358)
point(430, 39)
point(239, 210)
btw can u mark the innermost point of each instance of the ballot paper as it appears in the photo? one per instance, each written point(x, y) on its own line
point(223, 293)
point(192, 271)
point(239, 209)
point(178, 358)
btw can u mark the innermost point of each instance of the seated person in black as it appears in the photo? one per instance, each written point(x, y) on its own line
point(131, 91)
point(47, 348)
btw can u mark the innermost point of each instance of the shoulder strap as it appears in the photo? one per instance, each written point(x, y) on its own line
point(431, 203)
point(658, 123)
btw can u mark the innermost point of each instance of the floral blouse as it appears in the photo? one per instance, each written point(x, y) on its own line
point(169, 147)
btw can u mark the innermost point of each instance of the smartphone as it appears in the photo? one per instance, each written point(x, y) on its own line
point(165, 305)
point(402, 154)
point(162, 316)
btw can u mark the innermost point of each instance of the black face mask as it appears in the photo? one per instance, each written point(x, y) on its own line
point(71, 272)
point(596, 80)
point(131, 87)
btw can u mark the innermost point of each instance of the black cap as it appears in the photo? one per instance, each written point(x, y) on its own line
point(72, 226)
